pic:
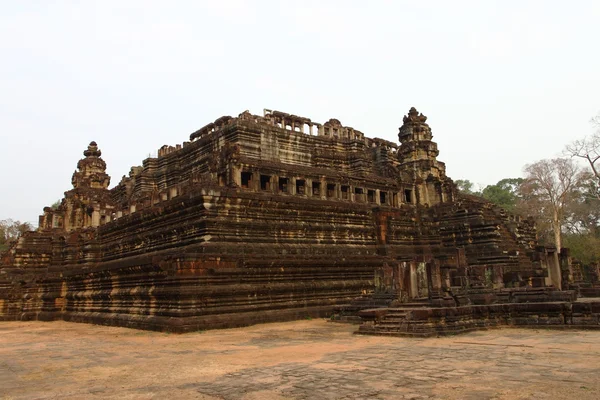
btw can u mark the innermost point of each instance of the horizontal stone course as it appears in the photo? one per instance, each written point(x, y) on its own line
point(427, 322)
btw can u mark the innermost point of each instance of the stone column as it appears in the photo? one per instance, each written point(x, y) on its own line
point(256, 181)
point(236, 175)
point(96, 218)
point(414, 285)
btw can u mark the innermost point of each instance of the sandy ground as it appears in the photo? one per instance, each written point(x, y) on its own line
point(295, 360)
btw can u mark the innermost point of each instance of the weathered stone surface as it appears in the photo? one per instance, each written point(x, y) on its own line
point(427, 322)
point(258, 219)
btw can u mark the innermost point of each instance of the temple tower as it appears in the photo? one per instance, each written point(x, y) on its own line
point(89, 203)
point(91, 170)
point(418, 161)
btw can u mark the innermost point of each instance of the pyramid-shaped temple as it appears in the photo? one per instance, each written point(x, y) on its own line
point(277, 217)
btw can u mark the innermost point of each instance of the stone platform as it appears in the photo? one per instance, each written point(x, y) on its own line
point(440, 321)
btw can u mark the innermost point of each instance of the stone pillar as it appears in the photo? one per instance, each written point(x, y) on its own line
point(436, 276)
point(404, 281)
point(414, 285)
point(96, 218)
point(236, 175)
point(256, 181)
point(446, 278)
point(566, 266)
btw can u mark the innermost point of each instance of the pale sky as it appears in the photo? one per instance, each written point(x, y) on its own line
point(504, 83)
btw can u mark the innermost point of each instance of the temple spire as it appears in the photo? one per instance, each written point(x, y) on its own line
point(91, 170)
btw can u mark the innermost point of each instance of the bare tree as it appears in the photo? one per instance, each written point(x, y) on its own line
point(11, 230)
point(550, 186)
point(588, 148)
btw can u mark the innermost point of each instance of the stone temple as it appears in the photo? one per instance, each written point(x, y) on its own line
point(277, 217)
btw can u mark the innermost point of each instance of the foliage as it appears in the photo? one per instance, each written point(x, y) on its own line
point(465, 186)
point(10, 230)
point(584, 247)
point(505, 193)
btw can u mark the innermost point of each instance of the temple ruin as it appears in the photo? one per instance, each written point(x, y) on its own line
point(277, 217)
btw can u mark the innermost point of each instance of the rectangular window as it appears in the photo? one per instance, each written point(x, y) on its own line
point(246, 178)
point(371, 196)
point(345, 192)
point(359, 194)
point(283, 185)
point(382, 197)
point(300, 186)
point(408, 196)
point(265, 182)
point(330, 189)
point(316, 188)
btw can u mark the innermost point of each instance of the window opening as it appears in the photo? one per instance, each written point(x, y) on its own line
point(330, 190)
point(345, 192)
point(316, 188)
point(265, 182)
point(300, 186)
point(382, 197)
point(283, 183)
point(371, 196)
point(246, 178)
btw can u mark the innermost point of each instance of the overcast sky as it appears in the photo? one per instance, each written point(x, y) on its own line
point(504, 83)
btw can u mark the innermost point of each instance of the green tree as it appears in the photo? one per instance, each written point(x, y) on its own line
point(584, 247)
point(505, 193)
point(465, 186)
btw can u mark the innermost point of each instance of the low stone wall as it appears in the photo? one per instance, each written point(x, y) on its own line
point(427, 322)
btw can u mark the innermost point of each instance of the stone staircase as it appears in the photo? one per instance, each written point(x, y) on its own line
point(393, 322)
point(349, 312)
